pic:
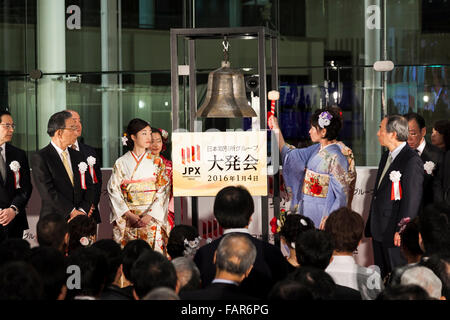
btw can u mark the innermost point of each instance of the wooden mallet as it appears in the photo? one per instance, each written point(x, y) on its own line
point(272, 96)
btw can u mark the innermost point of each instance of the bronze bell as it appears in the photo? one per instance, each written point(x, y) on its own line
point(225, 95)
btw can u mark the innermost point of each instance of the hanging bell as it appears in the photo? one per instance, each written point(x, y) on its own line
point(225, 95)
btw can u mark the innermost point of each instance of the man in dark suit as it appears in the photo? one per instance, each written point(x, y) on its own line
point(15, 186)
point(57, 174)
point(87, 152)
point(395, 197)
point(233, 208)
point(431, 155)
point(234, 260)
point(441, 186)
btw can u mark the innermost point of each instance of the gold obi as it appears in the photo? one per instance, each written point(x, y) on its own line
point(139, 193)
point(316, 184)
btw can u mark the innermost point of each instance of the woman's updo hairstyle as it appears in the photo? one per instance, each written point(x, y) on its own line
point(328, 119)
point(134, 126)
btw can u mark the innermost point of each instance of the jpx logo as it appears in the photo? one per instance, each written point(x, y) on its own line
point(191, 155)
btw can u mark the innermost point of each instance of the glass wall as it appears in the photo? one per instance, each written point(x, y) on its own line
point(110, 61)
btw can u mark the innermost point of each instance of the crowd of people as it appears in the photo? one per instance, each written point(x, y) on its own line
point(151, 258)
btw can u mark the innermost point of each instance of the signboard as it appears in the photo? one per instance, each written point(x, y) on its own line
point(205, 162)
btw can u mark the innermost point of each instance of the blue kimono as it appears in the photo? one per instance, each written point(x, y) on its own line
point(318, 180)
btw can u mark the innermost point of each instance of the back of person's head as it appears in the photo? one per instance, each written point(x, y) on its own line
point(82, 232)
point(130, 254)
point(440, 265)
point(409, 237)
point(314, 248)
point(434, 228)
point(293, 226)
point(403, 292)
point(20, 281)
point(425, 278)
point(183, 241)
point(14, 250)
point(51, 230)
point(188, 274)
point(113, 254)
point(233, 207)
point(93, 270)
point(162, 293)
point(346, 228)
point(289, 290)
point(235, 254)
point(152, 270)
point(50, 265)
point(317, 281)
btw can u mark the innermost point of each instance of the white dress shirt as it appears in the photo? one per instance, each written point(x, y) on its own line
point(345, 272)
point(421, 147)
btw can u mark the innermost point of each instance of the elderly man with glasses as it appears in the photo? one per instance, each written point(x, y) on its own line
point(61, 173)
point(15, 182)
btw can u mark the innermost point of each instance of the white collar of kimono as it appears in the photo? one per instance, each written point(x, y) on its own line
point(140, 157)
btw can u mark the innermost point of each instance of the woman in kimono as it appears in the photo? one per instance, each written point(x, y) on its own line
point(317, 176)
point(139, 191)
point(159, 144)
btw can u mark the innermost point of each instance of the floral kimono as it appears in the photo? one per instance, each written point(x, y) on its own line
point(140, 185)
point(317, 180)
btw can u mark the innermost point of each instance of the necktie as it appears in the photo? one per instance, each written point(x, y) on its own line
point(386, 167)
point(2, 166)
point(66, 165)
point(74, 147)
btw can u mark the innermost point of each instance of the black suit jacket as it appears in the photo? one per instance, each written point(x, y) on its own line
point(54, 186)
point(9, 195)
point(270, 266)
point(434, 154)
point(385, 214)
point(216, 291)
point(441, 185)
point(88, 151)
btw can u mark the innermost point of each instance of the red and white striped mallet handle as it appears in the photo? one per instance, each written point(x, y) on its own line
point(272, 96)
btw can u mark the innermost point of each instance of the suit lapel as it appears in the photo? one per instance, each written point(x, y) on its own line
point(380, 170)
point(9, 155)
point(58, 164)
point(394, 166)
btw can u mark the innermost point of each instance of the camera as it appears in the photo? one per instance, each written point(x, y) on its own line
point(252, 83)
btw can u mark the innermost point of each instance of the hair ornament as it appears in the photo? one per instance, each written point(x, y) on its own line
point(402, 224)
point(86, 241)
point(191, 247)
point(164, 134)
point(124, 139)
point(325, 119)
point(303, 222)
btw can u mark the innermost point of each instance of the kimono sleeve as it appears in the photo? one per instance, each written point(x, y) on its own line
point(118, 204)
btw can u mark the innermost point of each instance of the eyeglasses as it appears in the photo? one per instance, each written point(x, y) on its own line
point(72, 128)
point(8, 126)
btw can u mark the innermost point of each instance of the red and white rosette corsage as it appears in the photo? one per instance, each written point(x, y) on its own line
point(91, 162)
point(15, 167)
point(396, 190)
point(82, 167)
